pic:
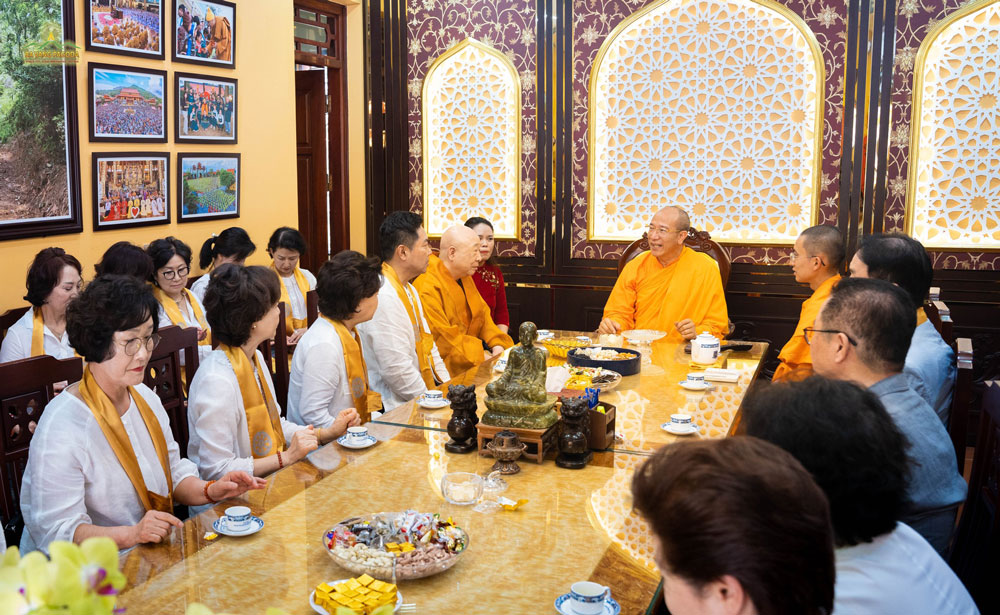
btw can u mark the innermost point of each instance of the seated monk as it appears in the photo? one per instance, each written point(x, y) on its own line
point(458, 316)
point(671, 287)
point(816, 261)
point(524, 377)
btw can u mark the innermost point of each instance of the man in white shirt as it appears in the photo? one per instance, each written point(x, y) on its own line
point(402, 359)
point(857, 454)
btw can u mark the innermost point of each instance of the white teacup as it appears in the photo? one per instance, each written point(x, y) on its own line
point(238, 518)
point(357, 434)
point(587, 597)
point(433, 396)
point(680, 420)
point(696, 378)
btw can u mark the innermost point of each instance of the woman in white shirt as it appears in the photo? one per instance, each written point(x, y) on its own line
point(234, 421)
point(232, 245)
point(286, 247)
point(53, 281)
point(103, 461)
point(328, 384)
point(178, 306)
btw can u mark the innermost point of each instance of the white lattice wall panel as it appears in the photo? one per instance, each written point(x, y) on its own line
point(954, 191)
point(715, 106)
point(471, 120)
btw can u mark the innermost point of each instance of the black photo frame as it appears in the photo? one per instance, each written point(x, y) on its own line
point(208, 125)
point(113, 71)
point(212, 168)
point(118, 204)
point(136, 19)
point(178, 38)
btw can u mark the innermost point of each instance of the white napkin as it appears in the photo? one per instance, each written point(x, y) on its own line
point(721, 375)
point(555, 379)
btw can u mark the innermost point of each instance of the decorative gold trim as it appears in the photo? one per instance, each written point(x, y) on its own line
point(916, 109)
point(820, 66)
point(505, 61)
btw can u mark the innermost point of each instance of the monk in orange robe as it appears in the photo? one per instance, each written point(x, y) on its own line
point(671, 287)
point(458, 316)
point(816, 260)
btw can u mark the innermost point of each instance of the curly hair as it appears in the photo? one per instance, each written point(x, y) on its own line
point(45, 272)
point(108, 304)
point(344, 280)
point(126, 258)
point(236, 298)
point(162, 250)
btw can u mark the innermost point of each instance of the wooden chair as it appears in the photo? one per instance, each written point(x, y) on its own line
point(163, 375)
point(8, 318)
point(192, 279)
point(975, 555)
point(699, 241)
point(312, 307)
point(961, 400)
point(276, 357)
point(26, 387)
point(940, 316)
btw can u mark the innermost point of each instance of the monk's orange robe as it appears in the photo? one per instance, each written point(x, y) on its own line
point(458, 316)
point(648, 295)
point(795, 357)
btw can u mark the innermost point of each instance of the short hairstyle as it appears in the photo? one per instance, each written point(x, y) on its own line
point(233, 242)
point(236, 298)
point(743, 507)
point(475, 221)
point(344, 280)
point(844, 436)
point(288, 238)
point(162, 250)
point(899, 259)
point(398, 229)
point(125, 258)
point(878, 315)
point(826, 240)
point(45, 271)
point(108, 304)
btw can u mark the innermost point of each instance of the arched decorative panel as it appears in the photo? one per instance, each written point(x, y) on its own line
point(716, 106)
point(953, 196)
point(472, 140)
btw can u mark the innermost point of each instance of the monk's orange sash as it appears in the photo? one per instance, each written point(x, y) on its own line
point(425, 341)
point(173, 311)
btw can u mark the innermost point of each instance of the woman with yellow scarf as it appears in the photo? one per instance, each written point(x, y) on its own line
point(178, 306)
point(103, 460)
point(286, 247)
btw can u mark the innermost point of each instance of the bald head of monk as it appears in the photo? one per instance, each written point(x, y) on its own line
point(460, 251)
point(667, 232)
point(818, 255)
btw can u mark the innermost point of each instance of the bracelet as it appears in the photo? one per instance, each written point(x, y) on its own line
point(208, 497)
point(281, 463)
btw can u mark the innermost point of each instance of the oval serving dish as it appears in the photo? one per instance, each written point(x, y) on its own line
point(625, 367)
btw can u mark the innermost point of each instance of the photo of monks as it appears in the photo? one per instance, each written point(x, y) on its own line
point(208, 186)
point(130, 189)
point(128, 27)
point(204, 32)
point(205, 109)
point(127, 105)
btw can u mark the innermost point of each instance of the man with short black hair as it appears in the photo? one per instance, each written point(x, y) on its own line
point(930, 363)
point(862, 335)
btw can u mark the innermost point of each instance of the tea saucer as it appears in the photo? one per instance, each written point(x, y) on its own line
point(322, 611)
point(563, 606)
point(695, 386)
point(348, 442)
point(679, 430)
point(256, 523)
point(423, 402)
point(500, 365)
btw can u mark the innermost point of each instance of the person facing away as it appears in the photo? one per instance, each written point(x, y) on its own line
point(671, 287)
point(862, 335)
point(816, 258)
point(403, 360)
point(844, 437)
point(459, 319)
point(232, 245)
point(930, 363)
point(739, 528)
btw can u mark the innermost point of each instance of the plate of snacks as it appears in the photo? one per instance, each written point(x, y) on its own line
point(360, 594)
point(559, 347)
point(581, 378)
point(623, 361)
point(410, 544)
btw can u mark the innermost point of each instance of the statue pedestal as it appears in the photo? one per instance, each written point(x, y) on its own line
point(517, 414)
point(539, 441)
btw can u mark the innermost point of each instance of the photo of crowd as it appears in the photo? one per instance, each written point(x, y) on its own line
point(127, 105)
point(209, 185)
point(206, 110)
point(130, 190)
point(204, 32)
point(126, 26)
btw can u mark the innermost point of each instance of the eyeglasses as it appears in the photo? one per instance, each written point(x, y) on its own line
point(809, 331)
point(132, 346)
point(170, 274)
point(661, 230)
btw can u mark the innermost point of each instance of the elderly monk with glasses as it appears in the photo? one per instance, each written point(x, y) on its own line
point(671, 287)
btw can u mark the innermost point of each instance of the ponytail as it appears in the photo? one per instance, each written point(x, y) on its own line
point(207, 254)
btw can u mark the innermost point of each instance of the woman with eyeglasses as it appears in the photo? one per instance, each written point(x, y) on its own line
point(179, 306)
point(103, 461)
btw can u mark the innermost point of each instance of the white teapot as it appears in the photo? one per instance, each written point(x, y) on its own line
point(705, 349)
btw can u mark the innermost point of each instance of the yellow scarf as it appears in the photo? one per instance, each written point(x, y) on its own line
point(425, 341)
point(263, 421)
point(357, 371)
point(114, 430)
point(173, 311)
point(37, 333)
point(292, 323)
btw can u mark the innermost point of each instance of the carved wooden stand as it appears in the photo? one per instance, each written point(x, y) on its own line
point(539, 441)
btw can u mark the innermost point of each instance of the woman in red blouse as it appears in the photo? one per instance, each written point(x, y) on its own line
point(488, 278)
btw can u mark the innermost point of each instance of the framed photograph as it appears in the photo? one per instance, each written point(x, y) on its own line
point(127, 104)
point(206, 109)
point(126, 27)
point(130, 189)
point(204, 32)
point(39, 146)
point(208, 186)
